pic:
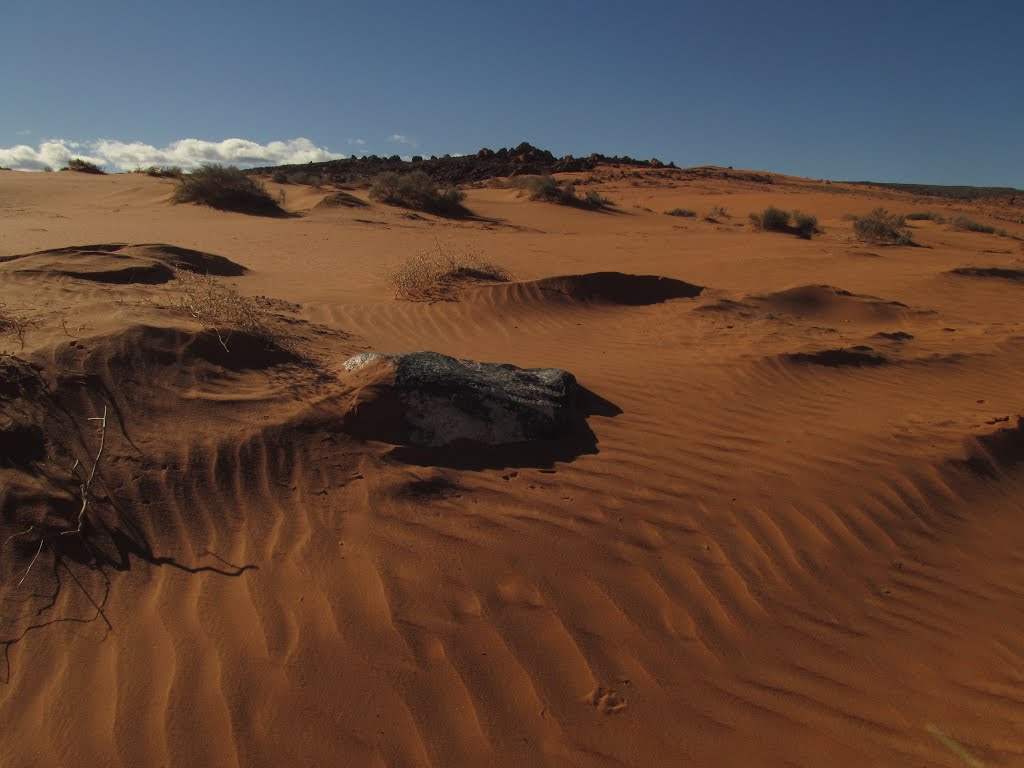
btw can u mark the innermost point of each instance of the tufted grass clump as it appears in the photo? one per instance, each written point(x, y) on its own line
point(227, 189)
point(965, 224)
point(882, 228)
point(926, 216)
point(437, 274)
point(773, 219)
point(683, 213)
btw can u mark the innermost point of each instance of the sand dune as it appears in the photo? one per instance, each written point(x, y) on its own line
point(782, 531)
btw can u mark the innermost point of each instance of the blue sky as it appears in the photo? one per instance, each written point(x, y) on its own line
point(929, 92)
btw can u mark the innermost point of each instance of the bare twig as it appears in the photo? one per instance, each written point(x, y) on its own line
point(85, 486)
point(34, 558)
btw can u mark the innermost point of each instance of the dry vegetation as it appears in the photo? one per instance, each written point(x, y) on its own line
point(83, 166)
point(882, 228)
point(964, 224)
point(773, 219)
point(13, 326)
point(435, 274)
point(222, 309)
point(550, 190)
point(227, 189)
point(683, 213)
point(417, 190)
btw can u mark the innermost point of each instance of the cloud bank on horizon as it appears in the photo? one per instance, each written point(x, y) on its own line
point(185, 153)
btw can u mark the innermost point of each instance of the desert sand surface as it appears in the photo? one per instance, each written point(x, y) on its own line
point(787, 531)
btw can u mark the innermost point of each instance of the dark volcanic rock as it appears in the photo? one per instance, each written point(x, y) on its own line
point(432, 400)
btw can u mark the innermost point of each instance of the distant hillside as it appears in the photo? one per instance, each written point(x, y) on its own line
point(485, 164)
point(950, 192)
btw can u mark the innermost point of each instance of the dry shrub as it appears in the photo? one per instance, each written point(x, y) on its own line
point(435, 274)
point(926, 216)
point(164, 172)
point(550, 190)
point(683, 213)
point(417, 190)
point(882, 228)
point(221, 308)
point(13, 325)
point(83, 166)
point(965, 224)
point(226, 188)
point(716, 214)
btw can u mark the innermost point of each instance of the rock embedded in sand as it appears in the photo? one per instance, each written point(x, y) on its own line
point(431, 400)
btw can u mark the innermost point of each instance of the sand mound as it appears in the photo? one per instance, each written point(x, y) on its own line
point(829, 303)
point(992, 454)
point(120, 263)
point(340, 200)
point(1003, 273)
point(855, 357)
point(613, 288)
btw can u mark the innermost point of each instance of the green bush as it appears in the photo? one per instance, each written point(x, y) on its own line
point(882, 228)
point(82, 166)
point(417, 190)
point(227, 189)
point(684, 213)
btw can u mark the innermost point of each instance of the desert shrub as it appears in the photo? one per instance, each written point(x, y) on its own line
point(771, 219)
point(926, 216)
point(279, 177)
point(595, 199)
point(550, 190)
point(417, 190)
point(805, 224)
point(82, 166)
point(225, 188)
point(683, 213)
point(882, 228)
point(164, 172)
point(221, 308)
point(13, 325)
point(964, 224)
point(716, 214)
point(436, 273)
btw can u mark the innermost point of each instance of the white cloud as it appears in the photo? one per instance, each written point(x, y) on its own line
point(358, 142)
point(399, 138)
point(187, 153)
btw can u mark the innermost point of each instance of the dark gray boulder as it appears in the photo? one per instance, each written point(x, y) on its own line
point(432, 400)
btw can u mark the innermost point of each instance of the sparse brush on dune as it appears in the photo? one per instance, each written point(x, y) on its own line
point(964, 224)
point(434, 274)
point(226, 188)
point(164, 172)
point(683, 213)
point(773, 219)
point(882, 228)
point(716, 214)
point(83, 166)
point(13, 326)
point(550, 190)
point(222, 309)
point(417, 190)
point(926, 216)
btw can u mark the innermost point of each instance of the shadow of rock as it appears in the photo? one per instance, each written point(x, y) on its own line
point(578, 439)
